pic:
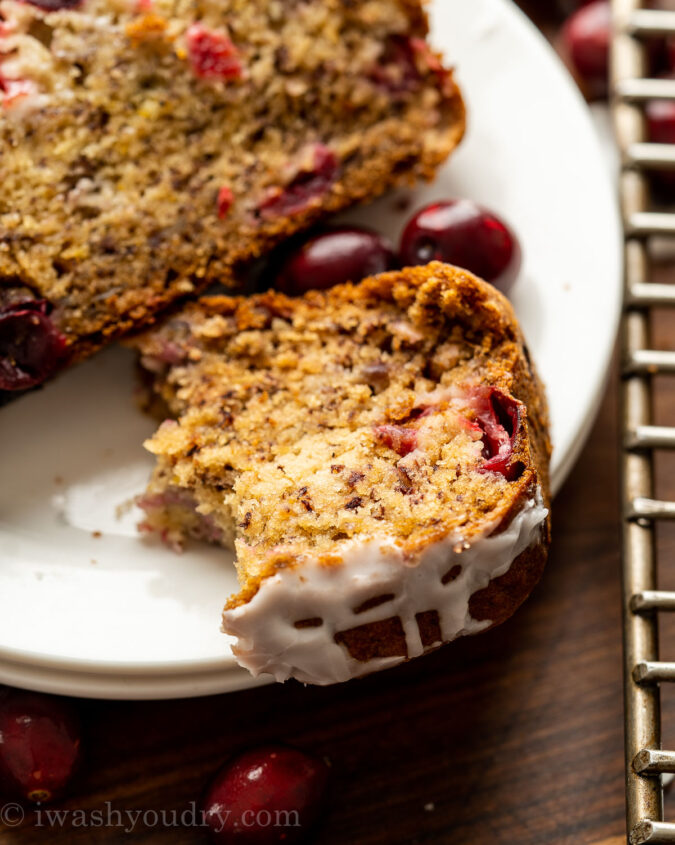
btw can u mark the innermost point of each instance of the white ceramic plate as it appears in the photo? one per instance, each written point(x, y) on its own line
point(89, 608)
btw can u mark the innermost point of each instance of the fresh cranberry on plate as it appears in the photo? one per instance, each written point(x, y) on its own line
point(339, 254)
point(463, 233)
point(272, 794)
point(40, 745)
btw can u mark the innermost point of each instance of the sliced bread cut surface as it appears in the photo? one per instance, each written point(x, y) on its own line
point(148, 146)
point(376, 454)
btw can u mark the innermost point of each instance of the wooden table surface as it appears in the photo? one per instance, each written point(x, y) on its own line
point(510, 738)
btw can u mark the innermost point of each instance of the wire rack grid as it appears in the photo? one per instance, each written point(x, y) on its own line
point(646, 761)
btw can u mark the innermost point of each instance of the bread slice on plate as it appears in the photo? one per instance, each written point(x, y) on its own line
point(148, 146)
point(376, 454)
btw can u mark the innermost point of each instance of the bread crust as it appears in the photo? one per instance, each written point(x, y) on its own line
point(494, 604)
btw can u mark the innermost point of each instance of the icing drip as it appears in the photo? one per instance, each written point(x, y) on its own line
point(269, 641)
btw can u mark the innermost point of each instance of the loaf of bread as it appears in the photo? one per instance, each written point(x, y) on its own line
point(377, 455)
point(150, 146)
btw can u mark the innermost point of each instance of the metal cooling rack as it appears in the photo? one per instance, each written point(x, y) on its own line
point(646, 762)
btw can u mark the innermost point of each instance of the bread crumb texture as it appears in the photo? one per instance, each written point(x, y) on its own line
point(148, 146)
point(405, 406)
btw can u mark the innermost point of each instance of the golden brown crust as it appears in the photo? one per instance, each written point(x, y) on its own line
point(495, 603)
point(503, 596)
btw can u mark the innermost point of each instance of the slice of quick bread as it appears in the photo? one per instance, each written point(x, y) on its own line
point(149, 146)
point(376, 454)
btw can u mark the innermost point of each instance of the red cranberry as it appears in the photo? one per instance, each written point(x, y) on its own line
point(269, 795)
point(661, 127)
point(462, 233)
point(40, 745)
point(308, 184)
point(585, 38)
point(341, 254)
point(225, 200)
point(31, 347)
point(498, 416)
point(401, 440)
point(396, 71)
point(212, 54)
point(14, 90)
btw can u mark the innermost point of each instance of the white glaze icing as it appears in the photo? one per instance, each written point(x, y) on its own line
point(269, 642)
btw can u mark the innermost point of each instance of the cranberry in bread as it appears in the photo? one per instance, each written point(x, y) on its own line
point(148, 146)
point(377, 455)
